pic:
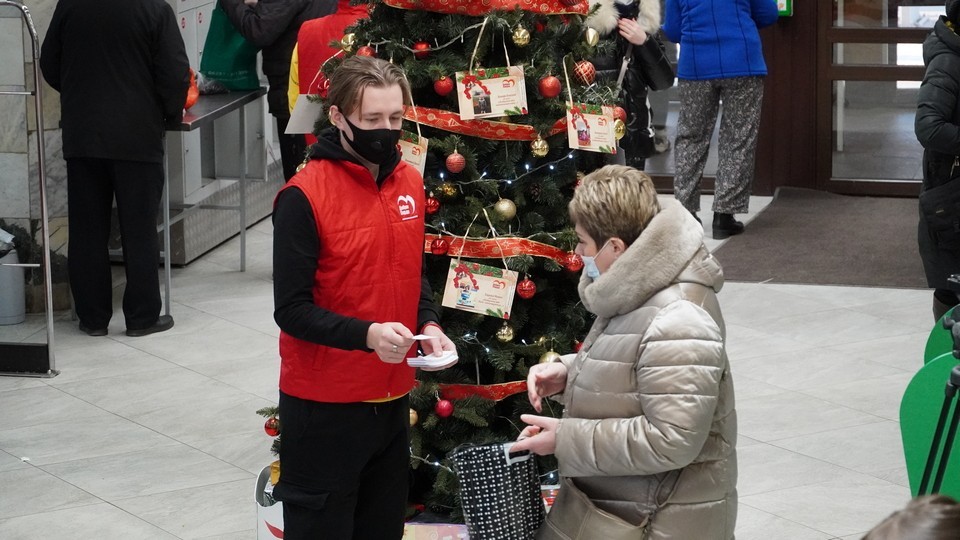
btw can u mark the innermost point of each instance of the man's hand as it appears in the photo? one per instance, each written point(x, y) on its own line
point(391, 341)
point(438, 346)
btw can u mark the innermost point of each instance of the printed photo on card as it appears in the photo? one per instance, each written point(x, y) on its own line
point(479, 288)
point(590, 127)
point(413, 150)
point(491, 92)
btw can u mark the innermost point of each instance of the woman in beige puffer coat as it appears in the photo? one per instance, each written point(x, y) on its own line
point(646, 444)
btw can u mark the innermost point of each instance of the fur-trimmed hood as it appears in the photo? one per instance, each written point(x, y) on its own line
point(604, 19)
point(669, 250)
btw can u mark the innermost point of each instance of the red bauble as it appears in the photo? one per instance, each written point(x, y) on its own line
point(550, 86)
point(577, 345)
point(443, 86)
point(573, 262)
point(456, 162)
point(272, 426)
point(366, 50)
point(421, 50)
point(620, 113)
point(439, 246)
point(585, 72)
point(443, 408)
point(526, 288)
point(433, 205)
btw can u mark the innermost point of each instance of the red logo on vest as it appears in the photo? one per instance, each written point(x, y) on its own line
point(407, 207)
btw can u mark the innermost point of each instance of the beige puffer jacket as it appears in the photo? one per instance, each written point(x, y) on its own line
point(649, 425)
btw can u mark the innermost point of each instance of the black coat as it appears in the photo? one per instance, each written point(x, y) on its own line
point(272, 25)
point(122, 72)
point(937, 127)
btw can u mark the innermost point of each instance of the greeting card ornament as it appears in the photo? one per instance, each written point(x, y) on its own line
point(413, 417)
point(585, 72)
point(444, 85)
point(505, 333)
point(592, 37)
point(620, 113)
point(443, 408)
point(521, 36)
point(526, 289)
point(549, 356)
point(539, 147)
point(573, 263)
point(619, 129)
point(550, 86)
point(348, 41)
point(421, 50)
point(432, 205)
point(506, 209)
point(367, 50)
point(272, 426)
point(456, 162)
point(448, 190)
point(439, 246)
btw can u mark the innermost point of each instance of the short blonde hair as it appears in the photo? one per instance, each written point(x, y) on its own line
point(929, 517)
point(355, 74)
point(614, 201)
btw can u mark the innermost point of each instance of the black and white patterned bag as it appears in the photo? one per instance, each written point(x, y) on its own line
point(500, 492)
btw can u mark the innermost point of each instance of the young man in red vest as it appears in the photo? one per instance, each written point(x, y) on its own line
point(349, 292)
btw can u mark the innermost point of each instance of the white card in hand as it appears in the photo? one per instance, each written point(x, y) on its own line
point(433, 361)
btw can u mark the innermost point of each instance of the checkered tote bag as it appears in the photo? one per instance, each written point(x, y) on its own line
point(499, 491)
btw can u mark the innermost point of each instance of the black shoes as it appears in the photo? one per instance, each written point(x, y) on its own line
point(95, 332)
point(724, 226)
point(164, 323)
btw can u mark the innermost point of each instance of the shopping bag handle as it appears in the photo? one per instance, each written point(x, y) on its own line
point(515, 457)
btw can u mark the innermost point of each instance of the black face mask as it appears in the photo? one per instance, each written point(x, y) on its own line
point(374, 145)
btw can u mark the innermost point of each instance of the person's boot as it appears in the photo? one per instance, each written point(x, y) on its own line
point(725, 226)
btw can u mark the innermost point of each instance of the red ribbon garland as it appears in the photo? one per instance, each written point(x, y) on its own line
point(487, 129)
point(475, 8)
point(495, 249)
point(494, 392)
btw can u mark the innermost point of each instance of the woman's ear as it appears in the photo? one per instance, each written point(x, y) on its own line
point(618, 245)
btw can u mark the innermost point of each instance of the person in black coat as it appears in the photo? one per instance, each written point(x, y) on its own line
point(122, 72)
point(937, 127)
point(272, 25)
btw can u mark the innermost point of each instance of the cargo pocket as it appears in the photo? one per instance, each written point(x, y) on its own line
point(305, 497)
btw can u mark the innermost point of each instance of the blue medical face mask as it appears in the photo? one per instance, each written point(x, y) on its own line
point(590, 267)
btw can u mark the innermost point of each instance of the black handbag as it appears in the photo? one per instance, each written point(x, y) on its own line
point(499, 491)
point(650, 59)
point(940, 209)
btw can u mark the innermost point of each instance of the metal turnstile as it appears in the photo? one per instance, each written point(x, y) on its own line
point(21, 358)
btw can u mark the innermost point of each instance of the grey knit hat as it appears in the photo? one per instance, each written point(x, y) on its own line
point(953, 10)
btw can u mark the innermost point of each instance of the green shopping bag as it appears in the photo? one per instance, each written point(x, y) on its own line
point(227, 56)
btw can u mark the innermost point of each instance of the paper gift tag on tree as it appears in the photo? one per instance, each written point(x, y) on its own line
point(413, 150)
point(591, 127)
point(491, 92)
point(479, 288)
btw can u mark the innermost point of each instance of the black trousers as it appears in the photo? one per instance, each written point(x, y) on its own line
point(293, 148)
point(343, 469)
point(92, 185)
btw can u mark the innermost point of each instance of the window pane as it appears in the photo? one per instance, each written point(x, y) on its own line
point(886, 14)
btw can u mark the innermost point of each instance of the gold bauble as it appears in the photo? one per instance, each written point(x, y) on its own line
point(539, 147)
point(348, 42)
point(505, 209)
point(413, 417)
point(592, 37)
point(521, 36)
point(619, 129)
point(505, 333)
point(549, 357)
point(448, 190)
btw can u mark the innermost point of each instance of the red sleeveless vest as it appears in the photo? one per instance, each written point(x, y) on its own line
point(369, 268)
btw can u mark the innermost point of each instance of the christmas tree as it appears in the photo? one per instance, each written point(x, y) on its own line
point(495, 92)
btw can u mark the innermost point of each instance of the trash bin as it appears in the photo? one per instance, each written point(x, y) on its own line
point(12, 297)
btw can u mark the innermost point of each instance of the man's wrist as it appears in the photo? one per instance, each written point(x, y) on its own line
point(429, 324)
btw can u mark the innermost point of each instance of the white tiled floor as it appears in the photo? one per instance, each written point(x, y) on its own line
point(157, 438)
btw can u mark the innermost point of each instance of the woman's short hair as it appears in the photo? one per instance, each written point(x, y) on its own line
point(930, 517)
point(355, 74)
point(614, 201)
